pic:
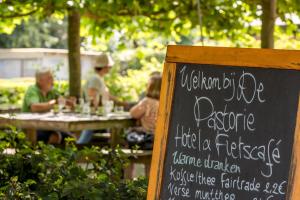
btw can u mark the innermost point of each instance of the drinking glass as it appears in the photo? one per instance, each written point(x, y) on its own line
point(86, 109)
point(119, 109)
point(108, 107)
point(61, 103)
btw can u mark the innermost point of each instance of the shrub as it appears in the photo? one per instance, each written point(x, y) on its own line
point(128, 81)
point(45, 172)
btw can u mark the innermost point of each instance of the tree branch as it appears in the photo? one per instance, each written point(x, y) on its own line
point(18, 14)
point(124, 13)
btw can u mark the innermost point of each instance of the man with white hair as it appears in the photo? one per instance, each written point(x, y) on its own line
point(41, 97)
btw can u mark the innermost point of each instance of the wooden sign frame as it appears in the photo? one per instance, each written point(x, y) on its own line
point(264, 58)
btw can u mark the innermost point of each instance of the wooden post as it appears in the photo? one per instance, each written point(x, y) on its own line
point(115, 138)
point(295, 165)
point(161, 132)
point(31, 135)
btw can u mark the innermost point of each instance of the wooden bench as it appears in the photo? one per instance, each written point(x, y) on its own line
point(136, 157)
point(101, 139)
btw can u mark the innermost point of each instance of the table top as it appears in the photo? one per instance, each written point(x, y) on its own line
point(67, 117)
point(66, 121)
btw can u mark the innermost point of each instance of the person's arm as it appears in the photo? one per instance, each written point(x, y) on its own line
point(33, 103)
point(117, 101)
point(138, 110)
point(92, 94)
point(42, 107)
point(71, 102)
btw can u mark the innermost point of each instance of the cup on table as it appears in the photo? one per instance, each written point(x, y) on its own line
point(81, 102)
point(86, 110)
point(78, 108)
point(55, 109)
point(119, 109)
point(61, 103)
point(108, 107)
point(100, 110)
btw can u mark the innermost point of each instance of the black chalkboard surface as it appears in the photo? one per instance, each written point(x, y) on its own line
point(228, 125)
point(231, 133)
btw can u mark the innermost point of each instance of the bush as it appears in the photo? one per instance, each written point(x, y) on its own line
point(45, 172)
point(12, 95)
point(128, 79)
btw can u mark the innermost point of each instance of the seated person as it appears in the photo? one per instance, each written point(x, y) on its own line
point(154, 73)
point(146, 112)
point(143, 94)
point(96, 91)
point(40, 98)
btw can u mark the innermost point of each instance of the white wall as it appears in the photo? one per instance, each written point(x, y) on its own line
point(10, 68)
point(59, 65)
point(15, 67)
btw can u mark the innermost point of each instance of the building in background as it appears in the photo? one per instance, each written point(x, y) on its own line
point(22, 62)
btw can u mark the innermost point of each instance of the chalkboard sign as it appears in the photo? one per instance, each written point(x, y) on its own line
point(228, 125)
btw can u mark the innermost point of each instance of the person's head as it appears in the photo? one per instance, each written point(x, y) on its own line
point(155, 73)
point(153, 88)
point(44, 79)
point(103, 64)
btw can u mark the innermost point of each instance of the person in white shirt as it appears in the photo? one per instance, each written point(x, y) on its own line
point(96, 92)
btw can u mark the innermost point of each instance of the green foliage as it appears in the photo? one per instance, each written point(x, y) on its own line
point(12, 95)
point(46, 172)
point(129, 77)
point(134, 19)
point(47, 33)
point(12, 91)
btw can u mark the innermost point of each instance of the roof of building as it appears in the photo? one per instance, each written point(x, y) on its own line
point(38, 52)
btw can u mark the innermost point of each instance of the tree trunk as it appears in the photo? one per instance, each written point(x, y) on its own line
point(74, 53)
point(268, 22)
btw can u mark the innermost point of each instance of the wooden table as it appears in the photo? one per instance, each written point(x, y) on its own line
point(68, 122)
